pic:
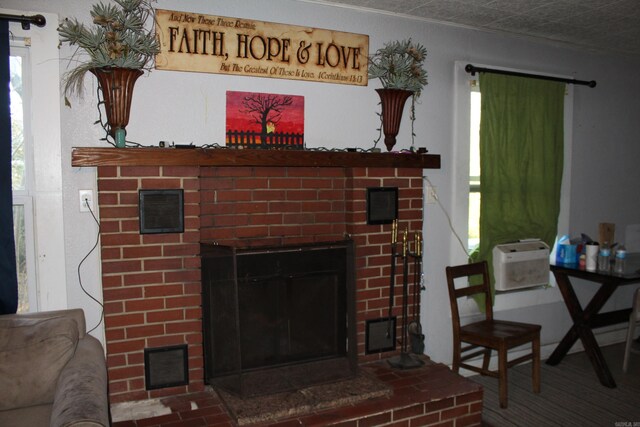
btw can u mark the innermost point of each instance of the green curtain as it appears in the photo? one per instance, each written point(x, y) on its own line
point(521, 160)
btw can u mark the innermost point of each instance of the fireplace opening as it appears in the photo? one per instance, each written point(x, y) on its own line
point(278, 318)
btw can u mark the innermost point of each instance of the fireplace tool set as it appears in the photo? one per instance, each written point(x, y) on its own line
point(411, 329)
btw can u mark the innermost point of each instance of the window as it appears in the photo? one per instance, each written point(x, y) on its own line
point(21, 171)
point(465, 216)
point(522, 149)
point(38, 202)
point(474, 168)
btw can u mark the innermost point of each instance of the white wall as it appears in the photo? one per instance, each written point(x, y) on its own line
point(190, 107)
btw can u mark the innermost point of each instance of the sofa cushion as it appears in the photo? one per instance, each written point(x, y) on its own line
point(38, 415)
point(32, 354)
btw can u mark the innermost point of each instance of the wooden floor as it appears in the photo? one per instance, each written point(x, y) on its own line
point(571, 394)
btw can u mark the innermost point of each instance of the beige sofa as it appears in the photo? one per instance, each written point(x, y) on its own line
point(52, 373)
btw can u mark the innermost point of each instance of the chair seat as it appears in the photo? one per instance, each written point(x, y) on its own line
point(493, 332)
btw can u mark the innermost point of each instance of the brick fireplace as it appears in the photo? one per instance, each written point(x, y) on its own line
point(151, 282)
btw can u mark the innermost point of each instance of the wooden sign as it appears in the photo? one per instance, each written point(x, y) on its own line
point(216, 44)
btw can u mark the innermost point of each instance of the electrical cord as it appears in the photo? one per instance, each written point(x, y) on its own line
point(217, 146)
point(105, 126)
point(80, 265)
point(446, 214)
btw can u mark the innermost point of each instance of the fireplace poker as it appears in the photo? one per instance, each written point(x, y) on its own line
point(415, 328)
point(405, 289)
point(392, 280)
point(405, 360)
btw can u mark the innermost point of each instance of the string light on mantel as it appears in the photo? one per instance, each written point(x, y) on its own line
point(322, 149)
point(215, 146)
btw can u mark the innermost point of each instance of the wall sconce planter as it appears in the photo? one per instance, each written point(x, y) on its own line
point(400, 67)
point(117, 47)
point(117, 90)
point(393, 101)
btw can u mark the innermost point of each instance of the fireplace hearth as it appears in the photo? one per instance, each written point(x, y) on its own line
point(278, 318)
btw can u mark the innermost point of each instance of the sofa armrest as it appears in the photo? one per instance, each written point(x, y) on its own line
point(76, 314)
point(81, 397)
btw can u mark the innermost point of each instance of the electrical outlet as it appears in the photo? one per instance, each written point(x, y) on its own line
point(86, 200)
point(431, 194)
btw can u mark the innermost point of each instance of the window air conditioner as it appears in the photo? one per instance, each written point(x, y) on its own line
point(521, 265)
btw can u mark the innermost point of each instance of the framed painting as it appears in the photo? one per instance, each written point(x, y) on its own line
point(265, 121)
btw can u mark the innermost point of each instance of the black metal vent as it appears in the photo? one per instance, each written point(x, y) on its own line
point(166, 366)
point(380, 335)
point(161, 211)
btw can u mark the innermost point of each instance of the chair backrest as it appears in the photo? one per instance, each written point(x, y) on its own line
point(480, 269)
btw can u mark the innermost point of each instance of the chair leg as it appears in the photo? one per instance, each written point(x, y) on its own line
point(455, 365)
point(503, 379)
point(627, 348)
point(486, 359)
point(535, 365)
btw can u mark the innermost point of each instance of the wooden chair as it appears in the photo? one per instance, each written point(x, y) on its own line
point(489, 334)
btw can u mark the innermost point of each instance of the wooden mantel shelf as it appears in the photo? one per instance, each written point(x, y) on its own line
point(89, 156)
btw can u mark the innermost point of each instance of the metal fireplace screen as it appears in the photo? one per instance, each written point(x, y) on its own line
point(278, 318)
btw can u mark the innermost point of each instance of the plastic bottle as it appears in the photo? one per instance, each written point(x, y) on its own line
point(621, 256)
point(592, 250)
point(604, 257)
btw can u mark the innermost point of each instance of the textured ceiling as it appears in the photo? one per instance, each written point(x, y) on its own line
point(594, 25)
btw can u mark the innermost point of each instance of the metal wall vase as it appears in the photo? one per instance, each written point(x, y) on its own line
point(393, 101)
point(117, 89)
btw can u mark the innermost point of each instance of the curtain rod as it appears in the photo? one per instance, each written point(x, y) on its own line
point(26, 21)
point(472, 69)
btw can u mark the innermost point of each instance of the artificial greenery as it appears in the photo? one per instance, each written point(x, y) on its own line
point(118, 38)
point(400, 65)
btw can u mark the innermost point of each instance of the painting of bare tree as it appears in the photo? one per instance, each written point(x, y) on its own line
point(265, 120)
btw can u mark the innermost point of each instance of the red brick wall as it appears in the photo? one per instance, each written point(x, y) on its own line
point(272, 206)
point(151, 283)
